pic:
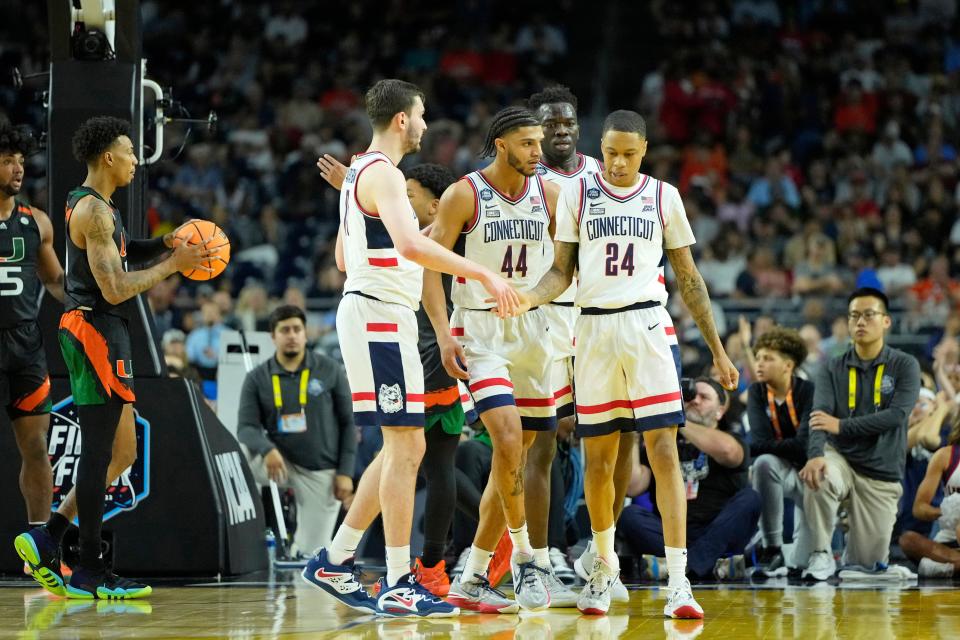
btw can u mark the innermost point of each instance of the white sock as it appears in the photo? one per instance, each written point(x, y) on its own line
point(541, 557)
point(604, 542)
point(398, 564)
point(344, 545)
point(477, 563)
point(521, 540)
point(676, 565)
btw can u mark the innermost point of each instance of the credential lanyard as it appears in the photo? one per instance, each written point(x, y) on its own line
point(773, 411)
point(278, 397)
point(852, 391)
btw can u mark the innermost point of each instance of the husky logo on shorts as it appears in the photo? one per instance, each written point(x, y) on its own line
point(391, 398)
point(63, 447)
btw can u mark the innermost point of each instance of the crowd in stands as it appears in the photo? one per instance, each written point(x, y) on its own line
point(814, 145)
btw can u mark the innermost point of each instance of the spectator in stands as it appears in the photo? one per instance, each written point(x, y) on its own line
point(857, 440)
point(762, 277)
point(932, 298)
point(895, 275)
point(777, 404)
point(773, 186)
point(296, 420)
point(722, 509)
point(203, 343)
point(816, 273)
point(839, 339)
point(812, 340)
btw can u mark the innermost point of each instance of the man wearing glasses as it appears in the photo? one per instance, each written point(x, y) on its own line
point(857, 443)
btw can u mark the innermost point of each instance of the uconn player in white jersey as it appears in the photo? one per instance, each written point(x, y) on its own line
point(616, 226)
point(939, 557)
point(380, 245)
point(562, 164)
point(502, 218)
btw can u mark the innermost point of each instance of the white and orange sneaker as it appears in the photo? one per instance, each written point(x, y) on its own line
point(680, 603)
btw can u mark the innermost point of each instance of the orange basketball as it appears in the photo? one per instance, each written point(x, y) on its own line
point(205, 230)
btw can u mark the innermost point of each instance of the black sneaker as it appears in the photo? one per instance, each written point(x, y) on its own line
point(42, 554)
point(771, 564)
point(104, 585)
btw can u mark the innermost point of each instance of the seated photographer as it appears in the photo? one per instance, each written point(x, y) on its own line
point(777, 405)
point(722, 509)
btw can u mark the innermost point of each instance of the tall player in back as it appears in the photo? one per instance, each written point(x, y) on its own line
point(617, 226)
point(502, 217)
point(380, 245)
point(95, 343)
point(27, 261)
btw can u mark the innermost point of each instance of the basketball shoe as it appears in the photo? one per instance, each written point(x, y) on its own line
point(42, 554)
point(86, 584)
point(410, 598)
point(340, 581)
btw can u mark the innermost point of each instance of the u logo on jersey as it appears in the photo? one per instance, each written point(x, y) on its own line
point(124, 369)
point(19, 251)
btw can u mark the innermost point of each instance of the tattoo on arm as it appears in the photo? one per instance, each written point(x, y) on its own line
point(555, 281)
point(116, 284)
point(693, 290)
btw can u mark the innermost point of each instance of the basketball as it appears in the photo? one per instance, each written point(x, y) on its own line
point(205, 230)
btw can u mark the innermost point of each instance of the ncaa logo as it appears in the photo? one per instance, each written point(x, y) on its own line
point(63, 447)
point(541, 170)
point(486, 195)
point(593, 193)
point(351, 176)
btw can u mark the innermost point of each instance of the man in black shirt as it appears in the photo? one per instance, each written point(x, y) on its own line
point(722, 509)
point(296, 418)
point(776, 407)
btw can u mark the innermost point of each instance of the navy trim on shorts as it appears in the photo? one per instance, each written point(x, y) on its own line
point(597, 311)
point(565, 411)
point(532, 423)
point(605, 428)
point(492, 402)
point(562, 304)
point(675, 418)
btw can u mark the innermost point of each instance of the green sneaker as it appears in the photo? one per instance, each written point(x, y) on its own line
point(42, 554)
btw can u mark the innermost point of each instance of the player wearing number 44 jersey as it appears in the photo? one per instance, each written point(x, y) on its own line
point(383, 252)
point(27, 260)
point(501, 217)
point(617, 226)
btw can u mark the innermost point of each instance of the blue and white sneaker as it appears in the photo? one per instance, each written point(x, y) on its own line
point(409, 598)
point(342, 581)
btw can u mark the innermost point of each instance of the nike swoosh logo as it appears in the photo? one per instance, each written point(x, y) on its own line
point(597, 204)
point(653, 326)
point(323, 574)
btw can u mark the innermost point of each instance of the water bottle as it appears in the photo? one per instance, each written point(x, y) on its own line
point(271, 549)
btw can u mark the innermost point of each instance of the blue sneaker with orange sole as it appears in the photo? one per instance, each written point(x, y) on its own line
point(341, 581)
point(41, 552)
point(410, 598)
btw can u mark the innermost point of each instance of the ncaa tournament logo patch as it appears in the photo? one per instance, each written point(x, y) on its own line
point(63, 447)
point(541, 170)
point(351, 176)
point(593, 193)
point(486, 195)
point(886, 385)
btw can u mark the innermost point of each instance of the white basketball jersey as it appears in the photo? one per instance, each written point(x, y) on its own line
point(509, 236)
point(374, 267)
point(951, 475)
point(622, 234)
point(586, 166)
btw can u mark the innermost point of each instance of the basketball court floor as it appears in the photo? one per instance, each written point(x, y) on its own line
point(285, 607)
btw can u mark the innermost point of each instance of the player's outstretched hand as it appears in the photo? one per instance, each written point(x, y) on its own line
point(332, 170)
point(506, 299)
point(454, 358)
point(727, 374)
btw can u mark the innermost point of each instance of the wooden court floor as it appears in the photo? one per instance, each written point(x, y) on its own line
point(287, 608)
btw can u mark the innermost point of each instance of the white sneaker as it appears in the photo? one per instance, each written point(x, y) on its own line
point(618, 592)
point(561, 597)
point(821, 566)
point(595, 597)
point(461, 564)
point(529, 588)
point(930, 568)
point(561, 568)
point(680, 603)
point(584, 564)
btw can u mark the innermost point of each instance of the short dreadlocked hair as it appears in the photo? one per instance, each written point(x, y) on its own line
point(785, 341)
point(434, 178)
point(96, 135)
point(552, 95)
point(625, 121)
point(503, 123)
point(16, 140)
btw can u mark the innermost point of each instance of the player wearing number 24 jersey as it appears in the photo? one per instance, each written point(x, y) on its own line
point(618, 227)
